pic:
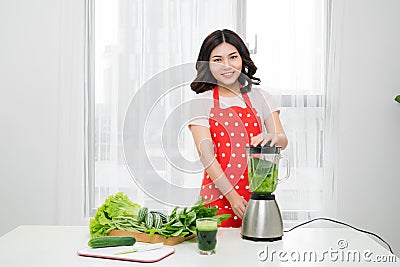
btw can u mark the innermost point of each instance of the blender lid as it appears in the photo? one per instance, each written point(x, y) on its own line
point(267, 149)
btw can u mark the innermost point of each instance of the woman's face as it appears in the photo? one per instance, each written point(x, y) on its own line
point(225, 64)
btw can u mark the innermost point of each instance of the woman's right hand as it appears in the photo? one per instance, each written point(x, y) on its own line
point(238, 203)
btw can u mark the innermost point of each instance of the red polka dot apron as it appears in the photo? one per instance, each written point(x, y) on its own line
point(231, 129)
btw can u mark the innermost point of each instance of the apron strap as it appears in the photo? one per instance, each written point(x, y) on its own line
point(247, 100)
point(216, 97)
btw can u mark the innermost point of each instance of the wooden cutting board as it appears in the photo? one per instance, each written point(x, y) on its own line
point(143, 237)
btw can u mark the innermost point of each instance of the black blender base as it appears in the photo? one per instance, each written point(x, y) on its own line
point(262, 239)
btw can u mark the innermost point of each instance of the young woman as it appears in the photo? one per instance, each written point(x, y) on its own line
point(228, 114)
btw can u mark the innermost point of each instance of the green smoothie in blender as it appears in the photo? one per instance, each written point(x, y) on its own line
point(263, 176)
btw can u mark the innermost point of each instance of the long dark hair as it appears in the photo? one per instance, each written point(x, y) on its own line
point(205, 81)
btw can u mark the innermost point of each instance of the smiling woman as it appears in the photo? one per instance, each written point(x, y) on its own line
point(230, 65)
point(224, 52)
point(226, 129)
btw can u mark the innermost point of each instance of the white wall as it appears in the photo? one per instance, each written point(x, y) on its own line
point(36, 71)
point(368, 119)
point(28, 110)
point(41, 66)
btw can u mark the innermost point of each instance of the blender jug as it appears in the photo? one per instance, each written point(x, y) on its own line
point(263, 167)
point(262, 220)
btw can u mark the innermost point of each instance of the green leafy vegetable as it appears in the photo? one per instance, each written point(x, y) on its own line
point(263, 176)
point(118, 212)
point(115, 206)
point(397, 98)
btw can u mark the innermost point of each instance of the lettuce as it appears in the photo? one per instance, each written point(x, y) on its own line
point(114, 206)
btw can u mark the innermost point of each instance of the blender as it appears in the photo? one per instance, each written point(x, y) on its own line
point(262, 220)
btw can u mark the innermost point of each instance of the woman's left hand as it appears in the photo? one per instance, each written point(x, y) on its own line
point(264, 138)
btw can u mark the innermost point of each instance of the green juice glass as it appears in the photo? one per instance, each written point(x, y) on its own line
point(207, 229)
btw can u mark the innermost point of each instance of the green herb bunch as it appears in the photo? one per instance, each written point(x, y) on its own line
point(120, 213)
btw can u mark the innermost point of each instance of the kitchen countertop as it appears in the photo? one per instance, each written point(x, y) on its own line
point(57, 246)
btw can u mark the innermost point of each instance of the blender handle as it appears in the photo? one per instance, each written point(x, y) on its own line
point(287, 169)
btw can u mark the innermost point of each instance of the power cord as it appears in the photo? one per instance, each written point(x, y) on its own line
point(348, 225)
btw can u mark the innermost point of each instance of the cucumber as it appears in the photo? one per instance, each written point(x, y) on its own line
point(142, 214)
point(164, 217)
point(111, 241)
point(157, 221)
point(148, 220)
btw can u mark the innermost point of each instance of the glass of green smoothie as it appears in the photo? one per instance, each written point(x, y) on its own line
point(207, 235)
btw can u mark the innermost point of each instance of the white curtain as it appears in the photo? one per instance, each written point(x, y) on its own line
point(291, 54)
point(136, 39)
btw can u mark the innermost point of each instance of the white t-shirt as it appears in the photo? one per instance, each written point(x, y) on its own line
point(201, 104)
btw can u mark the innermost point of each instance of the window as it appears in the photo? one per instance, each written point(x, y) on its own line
point(289, 48)
point(136, 39)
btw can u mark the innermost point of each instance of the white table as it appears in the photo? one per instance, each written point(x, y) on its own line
point(57, 246)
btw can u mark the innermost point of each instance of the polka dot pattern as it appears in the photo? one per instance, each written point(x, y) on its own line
point(231, 129)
